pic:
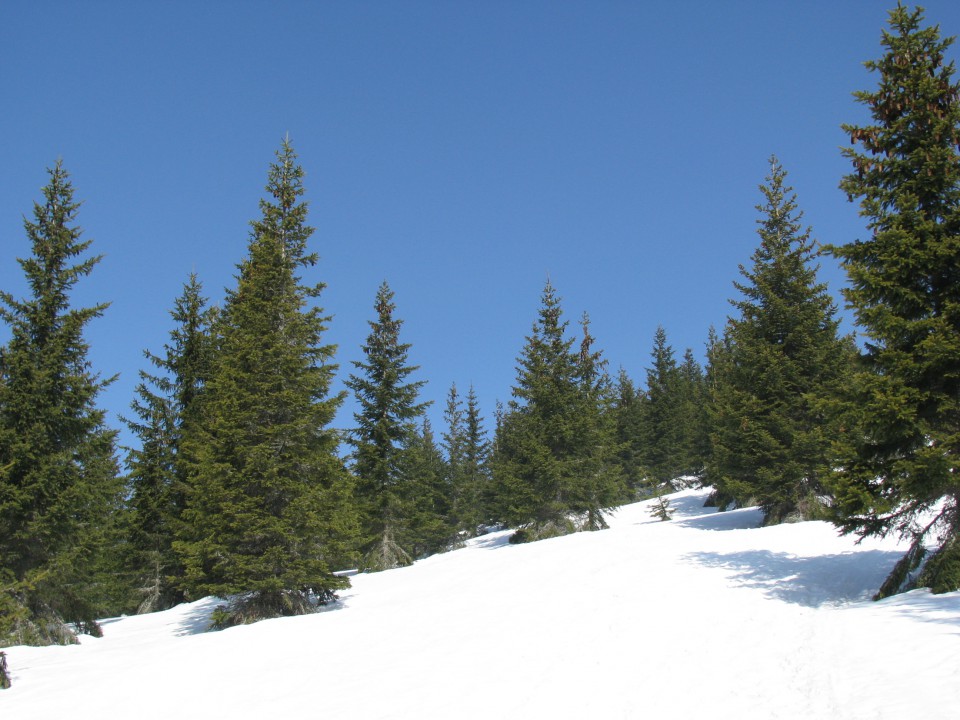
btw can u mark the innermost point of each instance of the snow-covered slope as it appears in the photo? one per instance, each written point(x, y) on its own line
point(703, 616)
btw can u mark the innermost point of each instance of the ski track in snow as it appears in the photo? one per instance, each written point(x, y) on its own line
point(706, 615)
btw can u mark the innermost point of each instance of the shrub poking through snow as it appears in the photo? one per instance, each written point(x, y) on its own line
point(4, 672)
point(661, 509)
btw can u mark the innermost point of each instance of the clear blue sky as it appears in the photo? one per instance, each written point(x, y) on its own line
point(463, 151)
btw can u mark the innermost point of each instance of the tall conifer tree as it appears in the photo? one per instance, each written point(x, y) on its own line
point(59, 487)
point(903, 416)
point(476, 468)
point(267, 512)
point(387, 425)
point(427, 496)
point(166, 404)
point(662, 449)
point(545, 456)
point(599, 484)
point(771, 439)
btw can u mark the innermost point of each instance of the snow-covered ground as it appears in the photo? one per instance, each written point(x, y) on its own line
point(707, 615)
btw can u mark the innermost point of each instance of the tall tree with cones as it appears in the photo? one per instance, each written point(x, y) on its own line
point(899, 468)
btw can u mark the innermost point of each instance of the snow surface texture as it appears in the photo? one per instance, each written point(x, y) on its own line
point(707, 615)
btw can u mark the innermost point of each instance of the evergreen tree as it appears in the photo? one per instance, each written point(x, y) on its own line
point(771, 440)
point(899, 469)
point(599, 484)
point(427, 496)
point(454, 446)
point(628, 409)
point(692, 419)
point(475, 476)
point(165, 405)
point(266, 514)
point(466, 452)
point(544, 453)
point(387, 421)
point(535, 438)
point(59, 487)
point(662, 448)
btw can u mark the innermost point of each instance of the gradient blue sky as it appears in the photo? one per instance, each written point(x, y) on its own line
point(463, 151)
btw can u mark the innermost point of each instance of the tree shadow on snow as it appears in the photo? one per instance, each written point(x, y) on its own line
point(808, 581)
point(491, 541)
point(197, 619)
point(710, 519)
point(923, 605)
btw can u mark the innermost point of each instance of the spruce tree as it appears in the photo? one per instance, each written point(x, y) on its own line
point(387, 423)
point(771, 440)
point(266, 515)
point(454, 447)
point(427, 496)
point(59, 487)
point(167, 403)
point(662, 444)
point(466, 450)
point(545, 453)
point(599, 483)
point(692, 418)
point(899, 466)
point(475, 476)
point(628, 413)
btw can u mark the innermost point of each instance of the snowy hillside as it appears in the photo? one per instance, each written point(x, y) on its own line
point(704, 616)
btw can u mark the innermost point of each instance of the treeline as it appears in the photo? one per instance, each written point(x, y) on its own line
point(240, 486)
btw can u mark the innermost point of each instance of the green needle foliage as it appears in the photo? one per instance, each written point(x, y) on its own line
point(555, 467)
point(783, 359)
point(165, 406)
point(59, 488)
point(267, 511)
point(467, 452)
point(386, 434)
point(899, 466)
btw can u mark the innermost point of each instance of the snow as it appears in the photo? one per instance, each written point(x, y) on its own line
point(707, 615)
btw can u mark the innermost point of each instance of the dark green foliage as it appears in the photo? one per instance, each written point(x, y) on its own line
point(782, 359)
point(387, 426)
point(902, 414)
point(427, 495)
point(598, 484)
point(267, 514)
point(628, 414)
point(466, 449)
point(4, 672)
point(670, 428)
point(166, 405)
point(662, 452)
point(692, 419)
point(475, 471)
point(59, 488)
point(555, 454)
